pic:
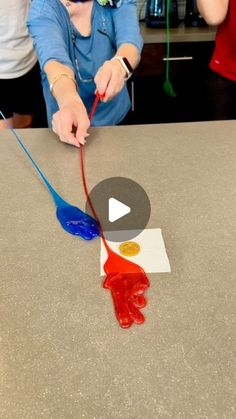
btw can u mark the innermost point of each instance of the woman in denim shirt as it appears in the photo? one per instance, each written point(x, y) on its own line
point(84, 47)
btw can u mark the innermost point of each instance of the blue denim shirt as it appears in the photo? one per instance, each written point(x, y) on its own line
point(56, 38)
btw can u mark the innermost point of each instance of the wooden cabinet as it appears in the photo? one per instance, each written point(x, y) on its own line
point(188, 74)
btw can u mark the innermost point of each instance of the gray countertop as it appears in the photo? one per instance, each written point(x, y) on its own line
point(62, 352)
point(179, 34)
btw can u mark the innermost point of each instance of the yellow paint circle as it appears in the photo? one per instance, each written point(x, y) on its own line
point(129, 248)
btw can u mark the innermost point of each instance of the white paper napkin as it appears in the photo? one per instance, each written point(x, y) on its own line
point(152, 256)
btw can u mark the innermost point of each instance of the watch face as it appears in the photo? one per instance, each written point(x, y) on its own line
point(128, 65)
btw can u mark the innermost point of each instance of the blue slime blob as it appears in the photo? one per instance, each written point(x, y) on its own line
point(76, 222)
point(71, 218)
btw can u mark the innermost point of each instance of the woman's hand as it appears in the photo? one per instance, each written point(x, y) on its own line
point(110, 79)
point(71, 122)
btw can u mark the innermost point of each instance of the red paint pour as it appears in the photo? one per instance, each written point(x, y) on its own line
point(126, 280)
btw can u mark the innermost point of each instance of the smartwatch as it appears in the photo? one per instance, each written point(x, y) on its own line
point(126, 66)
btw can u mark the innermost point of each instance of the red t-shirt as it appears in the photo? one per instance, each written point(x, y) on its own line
point(224, 57)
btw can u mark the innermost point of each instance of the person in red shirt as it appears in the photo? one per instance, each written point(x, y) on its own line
point(222, 79)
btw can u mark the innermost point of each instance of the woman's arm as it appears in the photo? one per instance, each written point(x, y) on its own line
point(110, 77)
point(72, 112)
point(213, 11)
point(48, 36)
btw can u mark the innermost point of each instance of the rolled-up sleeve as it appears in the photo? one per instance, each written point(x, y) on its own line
point(127, 29)
point(47, 33)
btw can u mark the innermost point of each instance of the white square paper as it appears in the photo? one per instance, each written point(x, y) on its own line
point(152, 256)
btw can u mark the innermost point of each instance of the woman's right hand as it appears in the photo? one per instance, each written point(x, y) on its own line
point(71, 122)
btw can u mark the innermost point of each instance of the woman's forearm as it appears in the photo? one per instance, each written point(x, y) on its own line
point(213, 11)
point(72, 112)
point(63, 87)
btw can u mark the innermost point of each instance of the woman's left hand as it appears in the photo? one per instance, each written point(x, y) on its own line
point(110, 79)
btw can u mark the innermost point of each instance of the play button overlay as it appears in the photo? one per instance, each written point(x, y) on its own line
point(117, 210)
point(121, 205)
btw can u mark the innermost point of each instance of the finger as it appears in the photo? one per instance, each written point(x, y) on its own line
point(54, 124)
point(141, 283)
point(64, 127)
point(115, 85)
point(71, 141)
point(139, 301)
point(53, 127)
point(122, 312)
point(81, 134)
point(135, 314)
point(144, 279)
point(102, 78)
point(82, 125)
point(69, 138)
point(68, 134)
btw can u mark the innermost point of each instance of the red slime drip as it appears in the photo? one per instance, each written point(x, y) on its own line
point(126, 280)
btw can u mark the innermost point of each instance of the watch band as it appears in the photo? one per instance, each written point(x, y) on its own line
point(126, 66)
